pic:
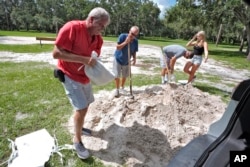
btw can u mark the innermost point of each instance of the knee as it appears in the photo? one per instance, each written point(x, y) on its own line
point(187, 66)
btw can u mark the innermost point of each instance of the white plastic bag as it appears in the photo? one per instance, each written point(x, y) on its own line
point(34, 149)
point(98, 74)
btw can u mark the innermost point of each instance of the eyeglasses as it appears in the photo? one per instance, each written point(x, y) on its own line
point(133, 34)
point(100, 23)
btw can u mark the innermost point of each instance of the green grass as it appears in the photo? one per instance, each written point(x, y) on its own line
point(26, 34)
point(34, 48)
point(32, 99)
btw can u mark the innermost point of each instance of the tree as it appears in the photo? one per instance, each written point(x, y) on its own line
point(242, 13)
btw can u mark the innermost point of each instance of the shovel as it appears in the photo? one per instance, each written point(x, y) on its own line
point(130, 75)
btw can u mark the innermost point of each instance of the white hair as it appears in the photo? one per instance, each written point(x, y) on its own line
point(99, 13)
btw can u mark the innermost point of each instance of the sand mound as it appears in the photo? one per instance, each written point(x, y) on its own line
point(149, 129)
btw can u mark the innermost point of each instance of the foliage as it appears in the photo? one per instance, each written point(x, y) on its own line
point(50, 15)
point(181, 21)
point(190, 16)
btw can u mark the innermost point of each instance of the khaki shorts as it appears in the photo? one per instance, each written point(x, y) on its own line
point(120, 70)
point(80, 95)
point(164, 62)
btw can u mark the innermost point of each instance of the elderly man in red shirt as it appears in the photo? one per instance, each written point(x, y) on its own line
point(73, 47)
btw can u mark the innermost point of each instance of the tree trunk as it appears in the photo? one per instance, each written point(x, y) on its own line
point(219, 34)
point(242, 39)
point(248, 38)
point(56, 27)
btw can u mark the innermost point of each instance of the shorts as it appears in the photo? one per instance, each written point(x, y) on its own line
point(120, 70)
point(80, 95)
point(164, 60)
point(196, 59)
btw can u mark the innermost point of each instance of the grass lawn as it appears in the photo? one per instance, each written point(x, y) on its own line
point(32, 99)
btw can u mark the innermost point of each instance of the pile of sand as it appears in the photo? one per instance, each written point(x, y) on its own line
point(149, 129)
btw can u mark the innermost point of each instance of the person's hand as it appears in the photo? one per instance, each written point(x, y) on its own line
point(194, 37)
point(128, 40)
point(205, 60)
point(92, 61)
point(133, 61)
point(94, 54)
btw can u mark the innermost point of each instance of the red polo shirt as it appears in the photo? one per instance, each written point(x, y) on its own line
point(74, 38)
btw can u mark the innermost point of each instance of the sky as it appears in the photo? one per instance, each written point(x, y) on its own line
point(163, 4)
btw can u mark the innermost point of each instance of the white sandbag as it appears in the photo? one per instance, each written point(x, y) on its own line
point(98, 74)
point(183, 82)
point(34, 149)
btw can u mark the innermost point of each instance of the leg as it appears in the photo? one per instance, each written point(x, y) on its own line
point(164, 75)
point(80, 96)
point(123, 82)
point(164, 69)
point(192, 72)
point(196, 60)
point(187, 67)
point(79, 117)
point(163, 72)
point(125, 74)
point(117, 71)
point(117, 83)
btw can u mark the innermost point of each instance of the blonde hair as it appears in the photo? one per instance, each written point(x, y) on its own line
point(202, 33)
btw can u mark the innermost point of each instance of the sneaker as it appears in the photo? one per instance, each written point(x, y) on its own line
point(165, 80)
point(86, 132)
point(117, 93)
point(81, 151)
point(123, 91)
point(172, 78)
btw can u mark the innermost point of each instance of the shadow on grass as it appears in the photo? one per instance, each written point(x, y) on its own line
point(225, 95)
point(228, 53)
point(158, 40)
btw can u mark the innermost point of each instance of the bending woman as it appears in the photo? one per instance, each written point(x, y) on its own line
point(200, 46)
